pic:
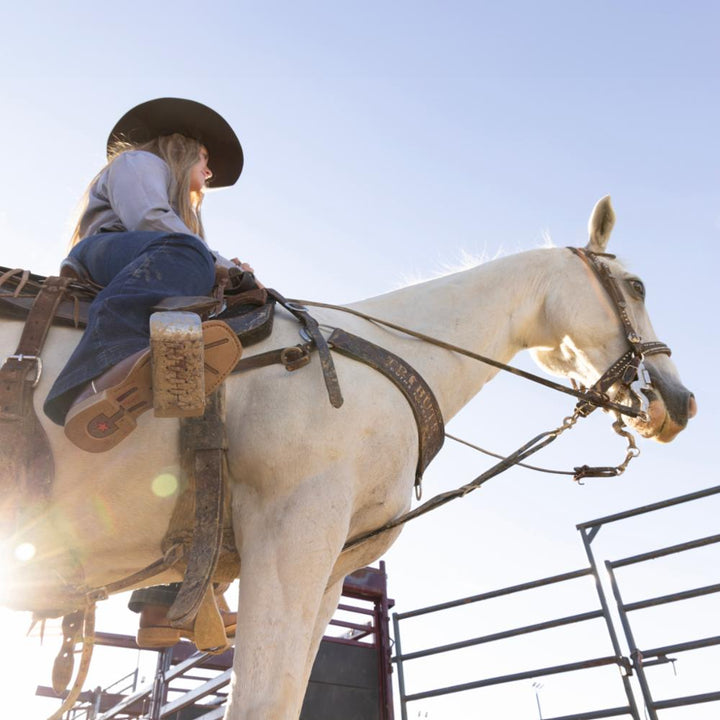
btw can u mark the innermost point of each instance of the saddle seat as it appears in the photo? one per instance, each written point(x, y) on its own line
point(250, 313)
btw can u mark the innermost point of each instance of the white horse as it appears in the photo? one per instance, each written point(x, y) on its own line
point(306, 477)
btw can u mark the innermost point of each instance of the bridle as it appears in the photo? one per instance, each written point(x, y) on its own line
point(629, 370)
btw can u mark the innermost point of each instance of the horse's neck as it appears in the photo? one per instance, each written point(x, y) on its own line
point(494, 310)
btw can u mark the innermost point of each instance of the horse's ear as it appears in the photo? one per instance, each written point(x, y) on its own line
point(601, 224)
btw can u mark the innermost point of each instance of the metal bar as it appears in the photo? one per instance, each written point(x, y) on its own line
point(527, 629)
point(634, 652)
point(216, 714)
point(196, 694)
point(160, 686)
point(663, 552)
point(146, 691)
point(495, 593)
point(682, 647)
point(527, 675)
point(356, 609)
point(674, 597)
point(382, 623)
point(587, 535)
point(688, 700)
point(651, 508)
point(126, 703)
point(400, 671)
point(610, 712)
point(367, 629)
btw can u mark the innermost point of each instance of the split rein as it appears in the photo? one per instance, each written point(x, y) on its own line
point(629, 370)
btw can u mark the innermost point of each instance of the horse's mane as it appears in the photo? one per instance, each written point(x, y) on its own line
point(466, 260)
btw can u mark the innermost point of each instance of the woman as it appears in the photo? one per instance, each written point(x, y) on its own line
point(140, 237)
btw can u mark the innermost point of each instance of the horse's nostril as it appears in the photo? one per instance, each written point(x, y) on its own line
point(692, 406)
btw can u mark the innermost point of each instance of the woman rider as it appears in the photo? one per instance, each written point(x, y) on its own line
point(140, 237)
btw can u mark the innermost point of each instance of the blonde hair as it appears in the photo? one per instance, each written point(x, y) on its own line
point(180, 153)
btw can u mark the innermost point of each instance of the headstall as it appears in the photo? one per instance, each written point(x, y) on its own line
point(629, 369)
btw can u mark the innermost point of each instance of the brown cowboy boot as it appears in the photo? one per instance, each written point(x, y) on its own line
point(106, 411)
point(155, 630)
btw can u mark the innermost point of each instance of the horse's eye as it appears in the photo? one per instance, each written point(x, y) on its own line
point(637, 287)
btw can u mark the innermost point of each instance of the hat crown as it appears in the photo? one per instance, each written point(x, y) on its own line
point(166, 116)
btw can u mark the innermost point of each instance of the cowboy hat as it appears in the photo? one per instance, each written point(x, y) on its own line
point(165, 116)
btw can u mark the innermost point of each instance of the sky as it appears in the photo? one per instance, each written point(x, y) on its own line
point(391, 141)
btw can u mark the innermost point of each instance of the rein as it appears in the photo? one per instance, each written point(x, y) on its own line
point(584, 395)
point(629, 370)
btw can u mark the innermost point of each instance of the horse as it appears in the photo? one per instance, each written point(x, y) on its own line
point(305, 476)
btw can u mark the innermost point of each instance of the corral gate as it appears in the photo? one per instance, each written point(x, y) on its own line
point(614, 612)
point(351, 678)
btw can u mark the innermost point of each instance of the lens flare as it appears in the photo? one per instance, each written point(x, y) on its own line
point(24, 552)
point(164, 485)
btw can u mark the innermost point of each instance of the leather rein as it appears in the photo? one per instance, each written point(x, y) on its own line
point(628, 369)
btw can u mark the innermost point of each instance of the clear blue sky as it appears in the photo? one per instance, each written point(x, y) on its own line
point(383, 141)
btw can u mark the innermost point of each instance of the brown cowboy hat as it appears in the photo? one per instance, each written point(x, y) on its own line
point(165, 116)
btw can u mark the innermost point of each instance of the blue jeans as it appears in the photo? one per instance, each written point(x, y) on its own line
point(137, 270)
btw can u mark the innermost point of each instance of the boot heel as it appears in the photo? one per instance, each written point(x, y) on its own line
point(157, 637)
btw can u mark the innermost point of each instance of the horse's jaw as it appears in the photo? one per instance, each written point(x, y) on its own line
point(662, 424)
point(670, 406)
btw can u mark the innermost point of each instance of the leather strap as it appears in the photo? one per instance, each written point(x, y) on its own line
point(293, 358)
point(72, 631)
point(205, 440)
point(25, 454)
point(605, 277)
point(313, 329)
point(429, 420)
point(209, 628)
point(24, 366)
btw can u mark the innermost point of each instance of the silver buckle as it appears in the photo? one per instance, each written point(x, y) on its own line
point(38, 365)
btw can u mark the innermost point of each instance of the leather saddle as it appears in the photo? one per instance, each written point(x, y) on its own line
point(25, 454)
point(249, 313)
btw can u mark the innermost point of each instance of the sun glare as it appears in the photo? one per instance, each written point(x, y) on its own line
point(24, 552)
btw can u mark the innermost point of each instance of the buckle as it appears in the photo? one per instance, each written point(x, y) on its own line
point(295, 357)
point(38, 365)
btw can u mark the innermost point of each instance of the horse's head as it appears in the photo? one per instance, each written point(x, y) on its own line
point(596, 314)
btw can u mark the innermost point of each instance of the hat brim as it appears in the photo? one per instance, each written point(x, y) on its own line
point(165, 116)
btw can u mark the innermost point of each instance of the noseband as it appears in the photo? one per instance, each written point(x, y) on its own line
point(629, 370)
